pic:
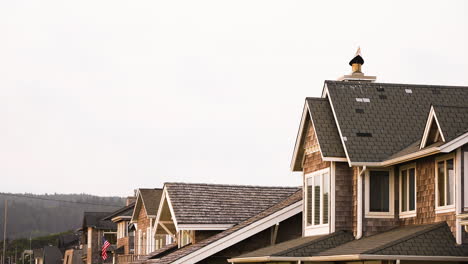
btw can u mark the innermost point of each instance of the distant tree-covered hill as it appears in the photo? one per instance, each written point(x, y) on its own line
point(37, 215)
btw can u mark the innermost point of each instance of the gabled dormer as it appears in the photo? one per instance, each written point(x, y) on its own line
point(432, 132)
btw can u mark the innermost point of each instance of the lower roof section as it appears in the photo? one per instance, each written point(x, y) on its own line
point(431, 242)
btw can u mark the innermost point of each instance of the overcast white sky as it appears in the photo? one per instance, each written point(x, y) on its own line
point(106, 96)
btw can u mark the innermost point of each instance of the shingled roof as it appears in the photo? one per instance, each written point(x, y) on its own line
point(369, 122)
point(392, 116)
point(429, 242)
point(124, 211)
point(231, 233)
point(453, 120)
point(151, 199)
point(95, 220)
point(325, 127)
point(221, 204)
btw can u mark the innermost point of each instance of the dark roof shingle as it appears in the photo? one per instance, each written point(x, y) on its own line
point(95, 220)
point(393, 117)
point(325, 127)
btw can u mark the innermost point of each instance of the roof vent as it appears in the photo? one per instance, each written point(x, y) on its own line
point(380, 89)
point(408, 91)
point(364, 134)
point(360, 111)
point(357, 74)
point(363, 100)
point(382, 96)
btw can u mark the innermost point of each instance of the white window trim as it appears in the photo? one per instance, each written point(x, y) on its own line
point(445, 208)
point(320, 228)
point(391, 200)
point(413, 212)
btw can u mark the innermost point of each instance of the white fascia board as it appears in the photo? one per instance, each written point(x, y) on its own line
point(174, 219)
point(135, 208)
point(411, 156)
point(432, 117)
point(297, 146)
point(121, 218)
point(242, 234)
point(349, 258)
point(204, 226)
point(454, 144)
point(338, 159)
point(337, 124)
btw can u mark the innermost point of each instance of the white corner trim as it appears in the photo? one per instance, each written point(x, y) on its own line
point(332, 199)
point(458, 195)
point(241, 234)
point(427, 129)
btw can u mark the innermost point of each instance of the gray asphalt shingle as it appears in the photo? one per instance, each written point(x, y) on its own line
point(222, 204)
point(391, 123)
point(325, 127)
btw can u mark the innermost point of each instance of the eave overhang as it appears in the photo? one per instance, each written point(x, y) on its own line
point(349, 258)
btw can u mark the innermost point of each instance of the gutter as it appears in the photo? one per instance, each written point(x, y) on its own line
point(348, 258)
point(359, 205)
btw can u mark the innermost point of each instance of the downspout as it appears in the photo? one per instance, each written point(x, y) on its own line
point(359, 204)
point(458, 196)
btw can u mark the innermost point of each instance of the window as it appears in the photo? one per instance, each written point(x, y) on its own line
point(379, 193)
point(317, 198)
point(185, 237)
point(445, 183)
point(408, 191)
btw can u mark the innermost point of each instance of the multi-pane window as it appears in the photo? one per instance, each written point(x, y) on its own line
point(379, 193)
point(317, 198)
point(408, 190)
point(445, 182)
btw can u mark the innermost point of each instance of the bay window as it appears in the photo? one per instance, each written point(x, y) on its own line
point(317, 198)
point(445, 183)
point(379, 193)
point(408, 191)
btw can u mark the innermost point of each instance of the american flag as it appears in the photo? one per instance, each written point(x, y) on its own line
point(105, 245)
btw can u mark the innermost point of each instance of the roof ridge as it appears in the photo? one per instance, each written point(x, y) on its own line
point(233, 185)
point(451, 106)
point(398, 84)
point(431, 227)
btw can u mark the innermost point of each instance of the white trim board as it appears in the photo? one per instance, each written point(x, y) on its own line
point(204, 226)
point(427, 129)
point(241, 234)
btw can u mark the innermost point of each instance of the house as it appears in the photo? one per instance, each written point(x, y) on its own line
point(94, 228)
point(125, 239)
point(210, 223)
point(48, 255)
point(73, 256)
point(143, 219)
point(385, 175)
point(68, 245)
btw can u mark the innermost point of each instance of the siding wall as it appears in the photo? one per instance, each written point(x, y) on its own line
point(143, 222)
point(343, 196)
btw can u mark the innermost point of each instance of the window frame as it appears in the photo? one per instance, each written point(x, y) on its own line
point(391, 193)
point(320, 228)
point(408, 213)
point(445, 208)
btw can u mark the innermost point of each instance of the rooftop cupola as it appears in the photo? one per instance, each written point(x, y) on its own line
point(357, 74)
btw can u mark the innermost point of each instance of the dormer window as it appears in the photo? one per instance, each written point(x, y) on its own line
point(317, 199)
